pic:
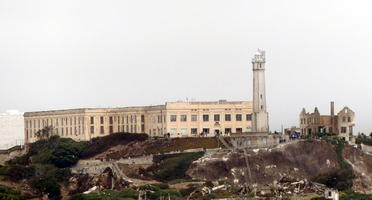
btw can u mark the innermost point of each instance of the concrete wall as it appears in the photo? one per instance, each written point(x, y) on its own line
point(366, 148)
point(255, 141)
point(6, 155)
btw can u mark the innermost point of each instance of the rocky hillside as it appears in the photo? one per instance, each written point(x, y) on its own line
point(288, 169)
point(303, 160)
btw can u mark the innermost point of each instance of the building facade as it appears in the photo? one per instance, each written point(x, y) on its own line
point(179, 119)
point(11, 129)
point(260, 114)
point(341, 124)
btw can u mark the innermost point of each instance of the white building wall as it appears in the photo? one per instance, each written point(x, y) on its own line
point(11, 129)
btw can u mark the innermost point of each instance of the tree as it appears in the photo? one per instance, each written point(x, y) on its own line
point(45, 133)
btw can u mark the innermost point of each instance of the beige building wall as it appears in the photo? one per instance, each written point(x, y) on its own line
point(194, 118)
point(190, 120)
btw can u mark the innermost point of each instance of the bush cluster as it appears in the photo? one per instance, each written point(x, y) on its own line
point(9, 194)
point(173, 166)
point(61, 152)
point(364, 140)
point(128, 194)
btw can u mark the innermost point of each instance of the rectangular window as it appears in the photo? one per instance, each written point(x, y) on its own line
point(92, 130)
point(238, 117)
point(183, 131)
point(216, 118)
point(111, 120)
point(206, 130)
point(249, 117)
point(194, 131)
point(102, 120)
point(194, 118)
point(239, 130)
point(102, 130)
point(91, 120)
point(143, 118)
point(142, 128)
point(173, 131)
point(227, 130)
point(173, 118)
point(343, 129)
point(111, 129)
point(183, 118)
point(205, 118)
point(349, 119)
point(227, 117)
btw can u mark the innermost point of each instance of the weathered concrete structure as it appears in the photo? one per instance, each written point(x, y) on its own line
point(341, 124)
point(260, 115)
point(180, 119)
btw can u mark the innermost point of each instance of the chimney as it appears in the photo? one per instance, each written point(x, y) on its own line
point(332, 108)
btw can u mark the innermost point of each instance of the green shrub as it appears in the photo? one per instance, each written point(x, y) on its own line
point(19, 172)
point(186, 192)
point(173, 166)
point(47, 186)
point(62, 152)
point(162, 186)
point(3, 170)
point(9, 194)
point(172, 194)
point(127, 193)
point(66, 154)
point(364, 140)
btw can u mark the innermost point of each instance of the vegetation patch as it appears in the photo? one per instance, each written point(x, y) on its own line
point(126, 194)
point(349, 195)
point(61, 152)
point(341, 179)
point(364, 140)
point(8, 194)
point(173, 166)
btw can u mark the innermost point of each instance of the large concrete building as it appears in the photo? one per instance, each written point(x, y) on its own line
point(179, 119)
point(341, 124)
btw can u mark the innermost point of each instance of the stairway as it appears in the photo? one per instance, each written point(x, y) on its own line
point(118, 173)
point(223, 141)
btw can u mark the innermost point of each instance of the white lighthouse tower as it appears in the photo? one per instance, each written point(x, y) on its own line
point(260, 119)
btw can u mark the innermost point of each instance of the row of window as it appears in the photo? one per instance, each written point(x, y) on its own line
point(216, 117)
point(123, 128)
point(123, 119)
point(316, 120)
point(60, 131)
point(54, 122)
point(195, 131)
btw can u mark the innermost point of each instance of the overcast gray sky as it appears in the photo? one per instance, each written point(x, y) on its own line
point(90, 53)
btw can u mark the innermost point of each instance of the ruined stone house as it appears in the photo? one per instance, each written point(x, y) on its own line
point(341, 124)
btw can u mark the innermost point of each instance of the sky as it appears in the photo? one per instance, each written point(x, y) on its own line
point(113, 53)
